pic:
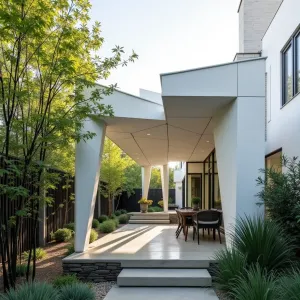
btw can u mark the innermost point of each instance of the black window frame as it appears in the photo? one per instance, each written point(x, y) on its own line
point(294, 47)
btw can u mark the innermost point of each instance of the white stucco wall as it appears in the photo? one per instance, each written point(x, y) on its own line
point(283, 123)
point(240, 154)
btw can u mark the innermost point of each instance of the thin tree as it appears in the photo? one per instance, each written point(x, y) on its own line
point(48, 57)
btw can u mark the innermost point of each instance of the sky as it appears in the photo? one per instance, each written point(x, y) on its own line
point(168, 35)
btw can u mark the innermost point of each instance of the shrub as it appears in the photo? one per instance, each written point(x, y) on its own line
point(70, 226)
point(76, 291)
point(123, 211)
point(93, 235)
point(32, 291)
point(156, 209)
point(264, 242)
point(102, 218)
point(95, 224)
point(150, 209)
point(231, 265)
point(116, 220)
point(117, 213)
point(281, 195)
point(289, 286)
point(40, 254)
point(71, 249)
point(63, 280)
point(161, 203)
point(256, 284)
point(21, 270)
point(196, 200)
point(107, 226)
point(123, 219)
point(62, 235)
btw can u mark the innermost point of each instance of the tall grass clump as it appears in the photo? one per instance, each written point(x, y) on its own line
point(263, 242)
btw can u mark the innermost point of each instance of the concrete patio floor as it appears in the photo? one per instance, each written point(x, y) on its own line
point(149, 242)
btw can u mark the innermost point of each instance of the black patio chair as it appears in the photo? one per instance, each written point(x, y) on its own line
point(180, 227)
point(207, 219)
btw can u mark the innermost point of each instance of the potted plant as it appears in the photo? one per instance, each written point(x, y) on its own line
point(161, 203)
point(144, 203)
point(196, 202)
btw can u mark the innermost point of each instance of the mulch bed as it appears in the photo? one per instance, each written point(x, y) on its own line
point(50, 267)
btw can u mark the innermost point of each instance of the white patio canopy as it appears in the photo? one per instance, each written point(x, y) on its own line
point(221, 107)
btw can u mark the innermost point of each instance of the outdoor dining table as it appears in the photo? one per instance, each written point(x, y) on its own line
point(186, 212)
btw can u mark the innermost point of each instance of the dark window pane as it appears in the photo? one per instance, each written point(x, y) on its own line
point(298, 63)
point(288, 74)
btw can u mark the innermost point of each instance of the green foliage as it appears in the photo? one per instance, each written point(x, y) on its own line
point(32, 291)
point(289, 286)
point(155, 209)
point(155, 181)
point(133, 178)
point(40, 254)
point(231, 265)
point(264, 242)
point(281, 195)
point(93, 235)
point(63, 280)
point(256, 284)
point(21, 270)
point(62, 235)
point(116, 220)
point(70, 226)
point(71, 249)
point(123, 211)
point(123, 219)
point(117, 213)
point(102, 218)
point(113, 166)
point(76, 291)
point(196, 200)
point(95, 224)
point(108, 226)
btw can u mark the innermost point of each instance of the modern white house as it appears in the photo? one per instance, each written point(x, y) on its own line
point(223, 122)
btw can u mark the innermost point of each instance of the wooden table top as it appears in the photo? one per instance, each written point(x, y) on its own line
point(187, 212)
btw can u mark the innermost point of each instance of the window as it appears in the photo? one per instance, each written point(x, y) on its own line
point(298, 63)
point(291, 68)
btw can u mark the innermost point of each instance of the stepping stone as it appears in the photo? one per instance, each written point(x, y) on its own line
point(165, 277)
point(160, 293)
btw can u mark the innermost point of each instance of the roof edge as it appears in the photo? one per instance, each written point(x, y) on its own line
point(128, 94)
point(240, 6)
point(213, 66)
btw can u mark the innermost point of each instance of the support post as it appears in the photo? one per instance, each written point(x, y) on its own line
point(164, 170)
point(87, 172)
point(240, 150)
point(146, 175)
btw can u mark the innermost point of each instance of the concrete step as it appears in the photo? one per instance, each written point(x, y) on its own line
point(150, 217)
point(149, 221)
point(160, 293)
point(164, 277)
point(166, 264)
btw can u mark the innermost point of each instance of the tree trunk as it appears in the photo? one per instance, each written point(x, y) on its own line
point(110, 208)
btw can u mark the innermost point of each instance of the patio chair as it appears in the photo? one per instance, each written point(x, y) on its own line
point(208, 219)
point(180, 227)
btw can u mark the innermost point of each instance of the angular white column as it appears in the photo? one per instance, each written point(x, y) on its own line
point(87, 171)
point(164, 171)
point(146, 175)
point(240, 149)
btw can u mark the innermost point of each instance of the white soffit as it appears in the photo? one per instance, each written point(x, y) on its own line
point(181, 129)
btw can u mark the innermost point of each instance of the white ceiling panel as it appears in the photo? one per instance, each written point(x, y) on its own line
point(157, 132)
point(130, 125)
point(196, 125)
